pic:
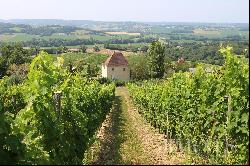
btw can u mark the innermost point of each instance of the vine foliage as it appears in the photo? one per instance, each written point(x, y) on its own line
point(207, 113)
point(52, 116)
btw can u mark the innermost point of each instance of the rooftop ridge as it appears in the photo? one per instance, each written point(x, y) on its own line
point(116, 59)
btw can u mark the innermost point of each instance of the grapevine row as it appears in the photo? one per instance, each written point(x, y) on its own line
point(52, 116)
point(204, 112)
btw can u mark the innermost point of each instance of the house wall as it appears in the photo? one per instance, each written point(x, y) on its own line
point(117, 73)
point(104, 71)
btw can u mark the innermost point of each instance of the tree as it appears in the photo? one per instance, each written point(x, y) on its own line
point(134, 49)
point(83, 48)
point(13, 54)
point(96, 48)
point(34, 50)
point(182, 67)
point(106, 45)
point(139, 68)
point(144, 48)
point(3, 66)
point(156, 59)
point(62, 49)
point(18, 73)
point(168, 67)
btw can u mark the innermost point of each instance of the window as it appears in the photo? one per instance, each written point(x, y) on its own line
point(112, 69)
point(124, 69)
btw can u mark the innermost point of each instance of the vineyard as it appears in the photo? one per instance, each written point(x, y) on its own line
point(206, 113)
point(52, 117)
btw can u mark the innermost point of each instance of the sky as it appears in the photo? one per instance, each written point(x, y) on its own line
point(218, 11)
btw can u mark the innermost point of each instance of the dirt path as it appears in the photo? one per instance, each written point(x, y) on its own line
point(126, 138)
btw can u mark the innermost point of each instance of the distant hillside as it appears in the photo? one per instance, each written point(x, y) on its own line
point(94, 25)
point(89, 22)
point(75, 32)
point(50, 22)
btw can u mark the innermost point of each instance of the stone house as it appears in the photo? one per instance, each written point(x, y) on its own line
point(116, 67)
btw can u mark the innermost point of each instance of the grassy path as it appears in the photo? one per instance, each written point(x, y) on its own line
point(126, 138)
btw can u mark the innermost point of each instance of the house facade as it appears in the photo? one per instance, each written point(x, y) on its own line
point(116, 67)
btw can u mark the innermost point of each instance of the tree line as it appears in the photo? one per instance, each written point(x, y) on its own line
point(74, 42)
point(161, 60)
point(47, 30)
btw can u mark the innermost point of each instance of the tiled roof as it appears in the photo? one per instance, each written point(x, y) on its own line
point(116, 59)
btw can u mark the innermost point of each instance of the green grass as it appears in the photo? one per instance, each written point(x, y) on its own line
point(120, 144)
point(132, 150)
point(106, 151)
point(18, 37)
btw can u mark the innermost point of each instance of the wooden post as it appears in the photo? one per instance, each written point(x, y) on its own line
point(57, 99)
point(70, 68)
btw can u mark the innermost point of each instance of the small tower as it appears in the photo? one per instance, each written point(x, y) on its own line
point(116, 67)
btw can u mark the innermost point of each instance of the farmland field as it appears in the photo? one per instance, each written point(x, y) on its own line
point(123, 33)
point(17, 37)
point(206, 32)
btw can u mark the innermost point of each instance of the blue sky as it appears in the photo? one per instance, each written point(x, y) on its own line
point(226, 11)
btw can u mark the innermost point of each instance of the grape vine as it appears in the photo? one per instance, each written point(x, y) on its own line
point(207, 113)
point(52, 116)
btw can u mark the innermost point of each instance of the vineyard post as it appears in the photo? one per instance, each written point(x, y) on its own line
point(57, 98)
